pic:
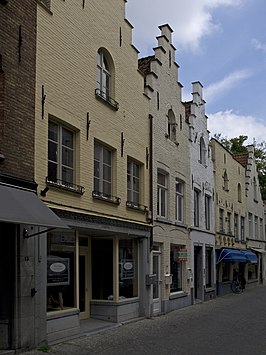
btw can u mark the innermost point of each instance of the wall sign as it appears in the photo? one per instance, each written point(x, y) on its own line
point(57, 271)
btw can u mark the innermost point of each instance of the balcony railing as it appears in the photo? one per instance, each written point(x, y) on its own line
point(136, 206)
point(98, 195)
point(108, 99)
point(65, 185)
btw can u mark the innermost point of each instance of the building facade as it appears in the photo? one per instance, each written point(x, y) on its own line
point(232, 257)
point(21, 212)
point(202, 221)
point(254, 216)
point(171, 184)
point(92, 156)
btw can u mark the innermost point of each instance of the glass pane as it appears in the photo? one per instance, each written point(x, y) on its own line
point(53, 131)
point(67, 157)
point(97, 151)
point(161, 179)
point(67, 175)
point(67, 138)
point(96, 169)
point(105, 64)
point(106, 188)
point(102, 269)
point(96, 184)
point(107, 173)
point(107, 156)
point(128, 259)
point(52, 171)
point(136, 197)
point(163, 207)
point(52, 151)
point(156, 272)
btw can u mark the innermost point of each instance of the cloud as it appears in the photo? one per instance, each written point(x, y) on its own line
point(191, 20)
point(258, 45)
point(218, 88)
point(231, 125)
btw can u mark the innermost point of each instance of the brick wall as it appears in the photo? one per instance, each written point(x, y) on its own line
point(17, 87)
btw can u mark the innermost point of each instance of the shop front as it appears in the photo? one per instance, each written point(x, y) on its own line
point(232, 262)
point(95, 270)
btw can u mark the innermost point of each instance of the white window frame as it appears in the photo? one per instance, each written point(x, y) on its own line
point(103, 74)
point(133, 181)
point(101, 177)
point(250, 225)
point(162, 195)
point(179, 201)
point(60, 147)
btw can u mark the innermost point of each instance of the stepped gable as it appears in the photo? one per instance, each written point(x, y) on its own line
point(187, 105)
point(242, 158)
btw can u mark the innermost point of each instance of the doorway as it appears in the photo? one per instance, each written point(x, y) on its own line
point(198, 276)
point(156, 287)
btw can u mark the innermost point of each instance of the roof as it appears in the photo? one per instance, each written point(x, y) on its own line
point(242, 158)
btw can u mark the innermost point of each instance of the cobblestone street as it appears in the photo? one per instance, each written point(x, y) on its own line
point(233, 324)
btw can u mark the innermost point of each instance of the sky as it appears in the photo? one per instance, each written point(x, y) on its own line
point(222, 44)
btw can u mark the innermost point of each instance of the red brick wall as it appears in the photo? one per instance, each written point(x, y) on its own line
point(17, 88)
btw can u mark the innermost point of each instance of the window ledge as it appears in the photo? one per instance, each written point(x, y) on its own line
point(59, 184)
point(136, 206)
point(44, 6)
point(178, 294)
point(100, 95)
point(98, 195)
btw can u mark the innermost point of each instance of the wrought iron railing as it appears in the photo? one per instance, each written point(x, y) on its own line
point(102, 95)
point(65, 185)
point(99, 195)
point(136, 206)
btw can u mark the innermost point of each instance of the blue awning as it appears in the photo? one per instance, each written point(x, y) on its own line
point(236, 256)
point(252, 257)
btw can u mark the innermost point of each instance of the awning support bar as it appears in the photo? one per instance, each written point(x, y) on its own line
point(26, 235)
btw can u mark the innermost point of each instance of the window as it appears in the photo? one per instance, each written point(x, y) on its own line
point(207, 212)
point(242, 228)
point(61, 286)
point(239, 193)
point(179, 188)
point(250, 225)
point(103, 74)
point(228, 220)
point(177, 260)
point(196, 208)
point(128, 268)
point(226, 180)
point(162, 197)
point(133, 182)
point(255, 189)
point(61, 154)
point(209, 266)
point(221, 220)
point(102, 170)
point(202, 151)
point(171, 126)
point(256, 223)
point(261, 228)
point(236, 226)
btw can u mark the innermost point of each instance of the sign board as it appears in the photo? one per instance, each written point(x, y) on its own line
point(180, 254)
point(57, 271)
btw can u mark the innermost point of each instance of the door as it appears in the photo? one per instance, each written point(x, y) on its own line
point(156, 288)
point(83, 284)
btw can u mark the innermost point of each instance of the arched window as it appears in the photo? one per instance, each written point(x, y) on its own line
point(226, 180)
point(103, 74)
point(171, 126)
point(202, 151)
point(239, 193)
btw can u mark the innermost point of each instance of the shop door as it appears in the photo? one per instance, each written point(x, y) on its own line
point(83, 285)
point(156, 288)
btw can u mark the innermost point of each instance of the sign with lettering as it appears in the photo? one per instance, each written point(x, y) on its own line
point(57, 271)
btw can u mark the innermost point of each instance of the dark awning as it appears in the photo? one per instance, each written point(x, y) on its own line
point(236, 256)
point(24, 207)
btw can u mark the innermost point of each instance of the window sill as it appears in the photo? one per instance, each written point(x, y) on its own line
point(65, 186)
point(97, 195)
point(110, 302)
point(106, 99)
point(178, 294)
point(136, 206)
point(62, 313)
point(44, 6)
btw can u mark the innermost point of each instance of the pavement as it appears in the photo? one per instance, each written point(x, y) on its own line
point(232, 324)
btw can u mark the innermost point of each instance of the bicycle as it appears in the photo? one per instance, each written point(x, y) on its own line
point(236, 285)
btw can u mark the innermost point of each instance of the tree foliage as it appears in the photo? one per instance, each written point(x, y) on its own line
point(236, 146)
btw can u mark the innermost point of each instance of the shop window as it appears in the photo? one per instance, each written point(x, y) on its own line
point(128, 268)
point(209, 266)
point(102, 268)
point(252, 271)
point(60, 271)
point(225, 272)
point(178, 258)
